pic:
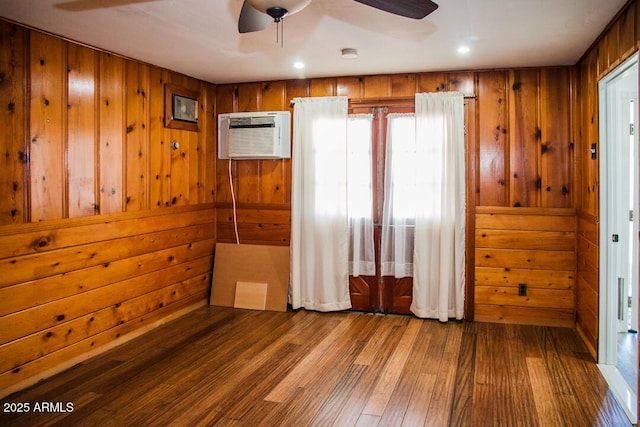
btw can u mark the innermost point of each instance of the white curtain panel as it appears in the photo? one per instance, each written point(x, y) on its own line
point(439, 250)
point(360, 195)
point(319, 218)
point(400, 192)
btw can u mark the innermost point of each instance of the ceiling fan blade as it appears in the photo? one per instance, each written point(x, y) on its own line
point(416, 9)
point(251, 19)
point(82, 5)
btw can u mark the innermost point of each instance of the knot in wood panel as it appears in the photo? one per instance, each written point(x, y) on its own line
point(41, 242)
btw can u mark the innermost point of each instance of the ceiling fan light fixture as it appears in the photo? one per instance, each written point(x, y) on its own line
point(349, 53)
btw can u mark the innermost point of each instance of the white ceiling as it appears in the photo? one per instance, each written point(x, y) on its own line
point(200, 37)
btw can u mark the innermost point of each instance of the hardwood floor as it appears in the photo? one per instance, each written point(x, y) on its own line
point(225, 367)
point(628, 358)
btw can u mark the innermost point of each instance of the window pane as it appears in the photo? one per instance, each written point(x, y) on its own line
point(359, 187)
point(403, 166)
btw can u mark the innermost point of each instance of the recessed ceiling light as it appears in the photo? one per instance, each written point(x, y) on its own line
point(349, 53)
point(299, 65)
point(463, 50)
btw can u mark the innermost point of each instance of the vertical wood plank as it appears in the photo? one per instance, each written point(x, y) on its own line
point(350, 86)
point(273, 178)
point(225, 99)
point(493, 148)
point(82, 135)
point(602, 57)
point(556, 148)
point(159, 156)
point(47, 115)
point(612, 46)
point(112, 126)
point(323, 87)
point(184, 164)
point(248, 172)
point(627, 36)
point(225, 96)
point(179, 175)
point(462, 82)
point(296, 88)
point(588, 177)
point(403, 85)
point(376, 86)
point(432, 82)
point(249, 97)
point(13, 111)
point(523, 138)
point(137, 136)
point(207, 155)
point(194, 140)
point(273, 96)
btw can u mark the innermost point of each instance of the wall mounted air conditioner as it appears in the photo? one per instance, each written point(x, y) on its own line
point(259, 135)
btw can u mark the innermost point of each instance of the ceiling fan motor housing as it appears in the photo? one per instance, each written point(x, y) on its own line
point(277, 13)
point(290, 6)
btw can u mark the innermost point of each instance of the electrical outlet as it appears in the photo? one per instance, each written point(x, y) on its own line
point(522, 289)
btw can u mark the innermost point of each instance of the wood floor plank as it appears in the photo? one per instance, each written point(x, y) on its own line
point(519, 378)
point(391, 372)
point(463, 393)
point(218, 365)
point(585, 382)
point(543, 392)
point(289, 384)
point(356, 402)
point(561, 383)
point(420, 401)
point(483, 379)
point(321, 382)
point(366, 420)
point(442, 398)
point(502, 374)
point(396, 411)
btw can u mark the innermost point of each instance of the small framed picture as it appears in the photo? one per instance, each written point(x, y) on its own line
point(181, 108)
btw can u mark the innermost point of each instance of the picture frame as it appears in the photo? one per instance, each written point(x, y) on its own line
point(181, 108)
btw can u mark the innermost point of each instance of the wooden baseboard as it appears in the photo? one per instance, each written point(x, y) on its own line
point(587, 344)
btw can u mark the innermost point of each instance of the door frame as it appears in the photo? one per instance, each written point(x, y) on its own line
point(608, 295)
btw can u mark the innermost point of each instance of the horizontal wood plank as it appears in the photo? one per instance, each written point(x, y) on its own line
point(260, 215)
point(31, 294)
point(588, 230)
point(539, 298)
point(518, 239)
point(24, 350)
point(539, 222)
point(41, 365)
point(539, 260)
point(544, 279)
point(253, 232)
point(39, 318)
point(588, 253)
point(52, 263)
point(524, 315)
point(50, 235)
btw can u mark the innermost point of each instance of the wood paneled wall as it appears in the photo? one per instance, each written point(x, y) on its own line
point(529, 246)
point(83, 133)
point(104, 229)
point(69, 287)
point(523, 152)
point(617, 43)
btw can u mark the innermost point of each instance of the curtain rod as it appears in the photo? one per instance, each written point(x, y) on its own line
point(399, 101)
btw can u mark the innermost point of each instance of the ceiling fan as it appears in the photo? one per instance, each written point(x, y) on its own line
point(256, 15)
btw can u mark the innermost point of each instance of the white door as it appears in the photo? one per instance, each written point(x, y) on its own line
point(618, 115)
